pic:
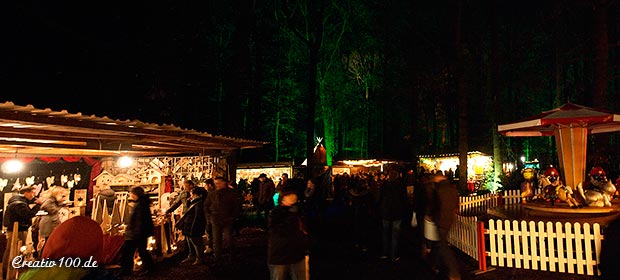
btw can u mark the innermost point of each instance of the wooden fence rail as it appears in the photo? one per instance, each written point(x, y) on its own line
point(571, 248)
point(464, 236)
point(556, 247)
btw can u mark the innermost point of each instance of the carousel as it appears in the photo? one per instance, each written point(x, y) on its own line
point(570, 192)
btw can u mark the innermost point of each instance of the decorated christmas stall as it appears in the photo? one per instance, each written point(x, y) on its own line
point(98, 159)
point(478, 166)
point(361, 166)
point(161, 178)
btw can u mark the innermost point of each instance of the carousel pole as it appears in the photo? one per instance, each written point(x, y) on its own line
point(572, 144)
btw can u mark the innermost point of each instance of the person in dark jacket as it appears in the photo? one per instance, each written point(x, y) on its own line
point(266, 191)
point(139, 228)
point(209, 187)
point(311, 201)
point(194, 225)
point(222, 207)
point(108, 195)
point(360, 201)
point(286, 251)
point(393, 208)
point(442, 206)
point(18, 210)
point(183, 199)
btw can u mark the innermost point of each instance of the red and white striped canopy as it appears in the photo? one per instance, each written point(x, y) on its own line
point(567, 115)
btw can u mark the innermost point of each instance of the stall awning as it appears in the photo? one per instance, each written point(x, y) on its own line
point(30, 131)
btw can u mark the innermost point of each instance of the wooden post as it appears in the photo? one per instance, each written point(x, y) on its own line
point(163, 240)
point(482, 251)
point(94, 211)
point(10, 270)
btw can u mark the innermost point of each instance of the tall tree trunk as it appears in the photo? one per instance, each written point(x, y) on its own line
point(314, 46)
point(601, 74)
point(461, 92)
point(277, 129)
point(311, 102)
point(327, 114)
point(240, 83)
point(557, 43)
point(494, 87)
point(601, 55)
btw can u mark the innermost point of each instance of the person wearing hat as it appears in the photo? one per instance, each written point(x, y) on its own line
point(139, 228)
point(18, 210)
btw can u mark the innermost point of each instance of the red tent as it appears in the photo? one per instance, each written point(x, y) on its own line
point(570, 124)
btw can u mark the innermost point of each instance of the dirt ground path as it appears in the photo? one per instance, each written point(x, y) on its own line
point(334, 256)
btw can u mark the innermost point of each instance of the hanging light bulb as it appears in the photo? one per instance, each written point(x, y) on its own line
point(124, 161)
point(12, 166)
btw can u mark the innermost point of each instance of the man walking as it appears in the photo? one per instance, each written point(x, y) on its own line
point(222, 207)
point(441, 209)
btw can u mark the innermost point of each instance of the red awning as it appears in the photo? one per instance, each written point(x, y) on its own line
point(567, 115)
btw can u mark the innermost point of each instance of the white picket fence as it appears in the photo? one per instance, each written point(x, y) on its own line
point(514, 196)
point(568, 248)
point(571, 248)
point(466, 203)
point(464, 235)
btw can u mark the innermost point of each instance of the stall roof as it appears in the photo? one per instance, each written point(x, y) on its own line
point(30, 131)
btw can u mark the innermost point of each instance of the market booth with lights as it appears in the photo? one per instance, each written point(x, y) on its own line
point(87, 154)
point(478, 165)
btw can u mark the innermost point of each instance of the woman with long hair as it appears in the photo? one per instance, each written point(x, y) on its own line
point(54, 199)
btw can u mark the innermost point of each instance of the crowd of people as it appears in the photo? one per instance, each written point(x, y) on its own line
point(291, 211)
point(294, 212)
point(54, 242)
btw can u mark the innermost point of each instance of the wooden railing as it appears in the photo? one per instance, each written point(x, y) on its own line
point(568, 248)
point(571, 248)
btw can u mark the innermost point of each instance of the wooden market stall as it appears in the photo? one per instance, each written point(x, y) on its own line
point(160, 157)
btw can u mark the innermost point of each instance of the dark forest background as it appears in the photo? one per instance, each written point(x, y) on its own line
point(387, 79)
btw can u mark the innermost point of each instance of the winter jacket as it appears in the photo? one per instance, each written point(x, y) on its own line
point(181, 199)
point(50, 221)
point(194, 222)
point(266, 190)
point(442, 204)
point(17, 210)
point(140, 223)
point(393, 204)
point(286, 241)
point(223, 206)
point(109, 196)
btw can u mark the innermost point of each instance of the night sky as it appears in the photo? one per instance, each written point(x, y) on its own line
point(102, 58)
point(165, 61)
